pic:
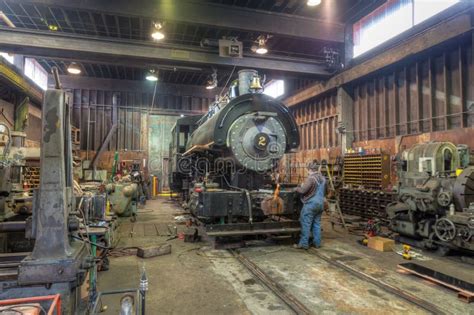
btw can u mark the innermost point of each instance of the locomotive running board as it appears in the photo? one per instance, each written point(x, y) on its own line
point(236, 229)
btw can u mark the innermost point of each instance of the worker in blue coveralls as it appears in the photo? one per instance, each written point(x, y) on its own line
point(312, 195)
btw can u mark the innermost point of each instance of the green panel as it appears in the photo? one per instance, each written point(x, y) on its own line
point(159, 138)
point(21, 115)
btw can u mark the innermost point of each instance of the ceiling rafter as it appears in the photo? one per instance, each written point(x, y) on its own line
point(230, 17)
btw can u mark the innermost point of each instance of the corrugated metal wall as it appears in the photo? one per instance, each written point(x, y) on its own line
point(317, 122)
point(92, 113)
point(430, 94)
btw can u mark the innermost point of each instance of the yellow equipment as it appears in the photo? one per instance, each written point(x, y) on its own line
point(406, 252)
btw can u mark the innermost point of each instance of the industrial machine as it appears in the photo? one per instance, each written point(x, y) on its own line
point(127, 187)
point(60, 259)
point(15, 195)
point(123, 197)
point(17, 175)
point(225, 162)
point(435, 206)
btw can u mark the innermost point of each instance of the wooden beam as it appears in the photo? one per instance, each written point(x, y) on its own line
point(406, 92)
point(445, 30)
point(419, 97)
point(396, 105)
point(386, 106)
point(447, 91)
point(345, 116)
point(462, 84)
point(431, 94)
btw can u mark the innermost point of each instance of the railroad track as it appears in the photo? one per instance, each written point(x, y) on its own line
point(299, 308)
point(291, 301)
point(425, 305)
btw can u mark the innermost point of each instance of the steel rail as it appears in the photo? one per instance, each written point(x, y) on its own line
point(427, 306)
point(291, 301)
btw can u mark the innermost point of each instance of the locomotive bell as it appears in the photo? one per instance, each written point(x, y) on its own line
point(255, 84)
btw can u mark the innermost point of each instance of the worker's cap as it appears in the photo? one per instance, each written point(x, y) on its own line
point(313, 165)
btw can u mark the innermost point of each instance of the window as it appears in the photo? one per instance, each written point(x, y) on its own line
point(275, 88)
point(8, 57)
point(425, 9)
point(393, 18)
point(35, 72)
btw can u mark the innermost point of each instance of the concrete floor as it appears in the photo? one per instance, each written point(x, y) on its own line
point(196, 279)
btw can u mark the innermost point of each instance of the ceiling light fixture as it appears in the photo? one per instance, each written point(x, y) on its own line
point(152, 75)
point(74, 68)
point(212, 83)
point(157, 33)
point(261, 45)
point(313, 3)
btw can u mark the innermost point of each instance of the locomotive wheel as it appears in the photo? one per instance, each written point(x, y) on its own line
point(445, 230)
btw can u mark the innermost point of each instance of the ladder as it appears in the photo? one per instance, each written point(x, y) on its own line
point(336, 197)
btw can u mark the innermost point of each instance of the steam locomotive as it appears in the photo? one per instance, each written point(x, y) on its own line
point(224, 163)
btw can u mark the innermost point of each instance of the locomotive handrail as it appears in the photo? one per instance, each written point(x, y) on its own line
point(198, 147)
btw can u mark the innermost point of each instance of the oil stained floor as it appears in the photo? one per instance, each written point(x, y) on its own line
point(196, 279)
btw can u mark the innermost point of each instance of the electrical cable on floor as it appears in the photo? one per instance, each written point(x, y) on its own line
point(184, 252)
point(90, 243)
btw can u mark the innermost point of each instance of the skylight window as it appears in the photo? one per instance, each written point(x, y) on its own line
point(275, 88)
point(424, 9)
point(7, 57)
point(393, 18)
point(36, 73)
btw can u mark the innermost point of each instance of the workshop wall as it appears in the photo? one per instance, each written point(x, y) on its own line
point(421, 98)
point(317, 122)
point(92, 110)
point(7, 113)
point(33, 130)
point(159, 135)
point(432, 93)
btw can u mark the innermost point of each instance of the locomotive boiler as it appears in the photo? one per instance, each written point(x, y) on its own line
point(435, 207)
point(225, 163)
